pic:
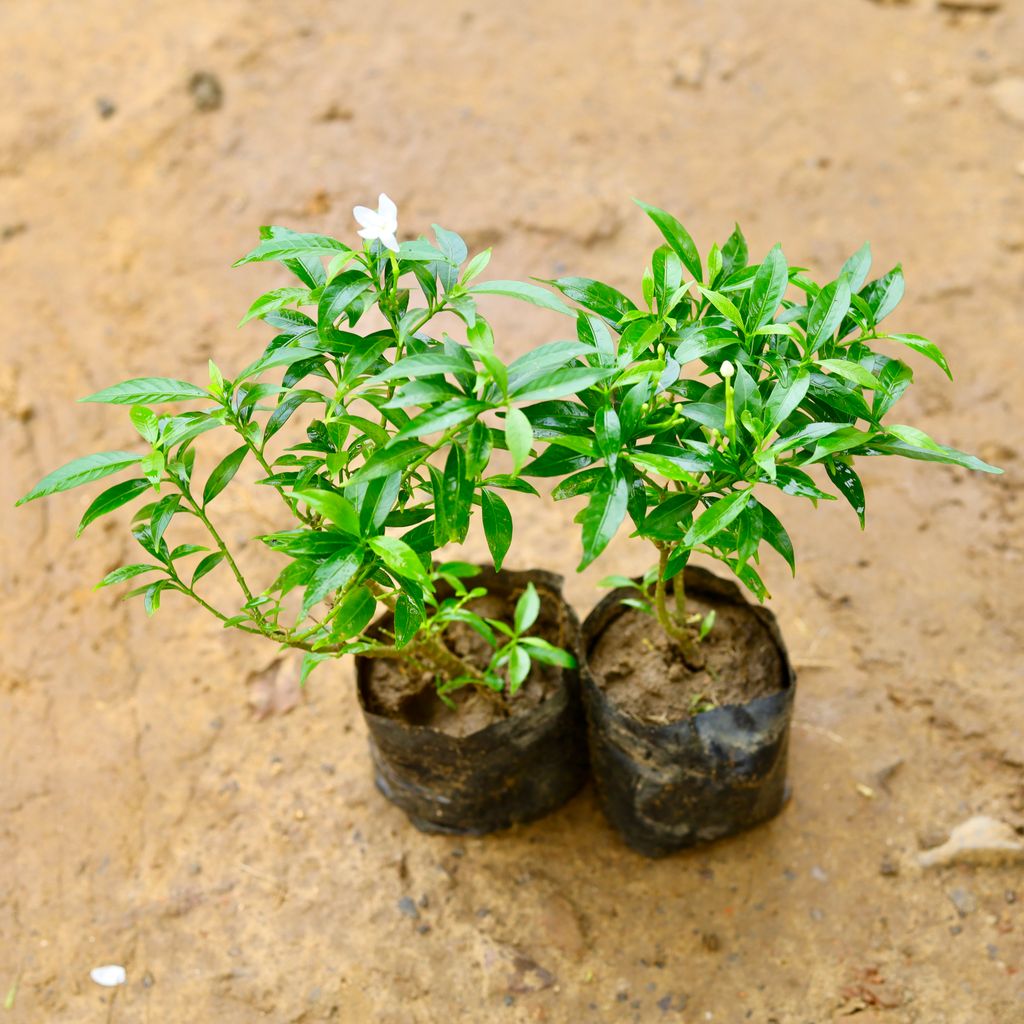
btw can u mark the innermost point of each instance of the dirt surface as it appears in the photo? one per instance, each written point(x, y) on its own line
point(642, 671)
point(245, 869)
point(397, 690)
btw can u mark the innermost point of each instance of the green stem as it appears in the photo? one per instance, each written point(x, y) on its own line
point(678, 632)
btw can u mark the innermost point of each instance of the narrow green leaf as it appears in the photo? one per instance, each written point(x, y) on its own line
point(408, 619)
point(925, 347)
point(497, 522)
point(560, 383)
point(331, 575)
point(81, 471)
point(527, 609)
point(332, 506)
point(848, 484)
point(716, 517)
point(531, 293)
point(354, 614)
point(206, 566)
point(518, 668)
point(724, 305)
point(603, 516)
point(112, 498)
point(292, 245)
point(850, 371)
point(441, 417)
point(274, 300)
point(126, 572)
point(677, 237)
point(147, 390)
point(399, 557)
point(389, 460)
point(223, 474)
point(768, 288)
point(827, 313)
point(518, 437)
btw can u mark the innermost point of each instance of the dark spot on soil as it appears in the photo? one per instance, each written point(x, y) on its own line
point(105, 108)
point(206, 90)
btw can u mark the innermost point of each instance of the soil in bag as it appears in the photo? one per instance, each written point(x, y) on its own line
point(487, 763)
point(682, 756)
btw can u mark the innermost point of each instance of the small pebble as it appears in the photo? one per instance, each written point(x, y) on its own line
point(109, 976)
point(711, 942)
point(105, 108)
point(148, 981)
point(889, 868)
point(408, 907)
point(328, 769)
point(510, 1000)
point(817, 914)
point(964, 901)
point(1010, 896)
point(818, 874)
point(955, 929)
point(207, 92)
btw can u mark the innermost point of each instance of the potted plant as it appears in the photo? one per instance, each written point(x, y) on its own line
point(721, 387)
point(467, 680)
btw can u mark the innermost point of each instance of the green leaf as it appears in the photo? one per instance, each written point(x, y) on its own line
point(146, 422)
point(827, 313)
point(147, 390)
point(920, 446)
point(440, 417)
point(603, 516)
point(425, 364)
point(81, 471)
point(125, 572)
point(856, 268)
point(451, 244)
point(354, 614)
point(497, 521)
point(518, 437)
point(716, 518)
point(223, 474)
point(292, 245)
point(560, 383)
point(775, 533)
point(279, 357)
point(768, 287)
point(848, 484)
point(724, 305)
point(400, 558)
point(393, 459)
point(206, 566)
point(677, 237)
point(549, 654)
point(310, 660)
point(527, 609)
point(330, 576)
point(518, 668)
point(408, 619)
point(111, 499)
point(339, 295)
point(332, 506)
point(598, 297)
point(531, 293)
point(850, 371)
point(734, 253)
point(274, 300)
point(784, 400)
point(476, 266)
point(883, 294)
point(924, 346)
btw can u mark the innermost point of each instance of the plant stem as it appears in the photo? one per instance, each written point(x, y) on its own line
point(679, 632)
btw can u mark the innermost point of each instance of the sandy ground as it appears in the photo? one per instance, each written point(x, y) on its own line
point(245, 869)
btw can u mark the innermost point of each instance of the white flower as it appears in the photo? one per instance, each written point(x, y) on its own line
point(727, 369)
point(109, 976)
point(381, 223)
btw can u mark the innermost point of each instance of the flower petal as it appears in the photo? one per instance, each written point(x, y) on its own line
point(369, 233)
point(364, 215)
point(389, 240)
point(386, 209)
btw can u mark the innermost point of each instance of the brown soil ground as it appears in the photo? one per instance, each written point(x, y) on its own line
point(642, 671)
point(245, 869)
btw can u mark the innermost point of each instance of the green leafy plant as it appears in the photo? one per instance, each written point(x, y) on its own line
point(389, 465)
point(725, 380)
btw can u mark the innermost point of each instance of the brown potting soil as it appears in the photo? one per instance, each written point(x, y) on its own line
point(642, 670)
point(400, 691)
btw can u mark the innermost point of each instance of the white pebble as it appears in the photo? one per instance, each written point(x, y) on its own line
point(109, 976)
